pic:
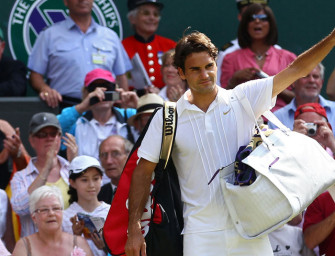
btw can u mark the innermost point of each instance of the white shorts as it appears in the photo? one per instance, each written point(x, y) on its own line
point(225, 243)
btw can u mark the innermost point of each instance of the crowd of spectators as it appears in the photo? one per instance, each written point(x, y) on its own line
point(81, 68)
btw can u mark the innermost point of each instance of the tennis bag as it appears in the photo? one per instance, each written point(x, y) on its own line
point(162, 220)
point(291, 170)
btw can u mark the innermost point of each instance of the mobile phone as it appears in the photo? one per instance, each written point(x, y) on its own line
point(109, 96)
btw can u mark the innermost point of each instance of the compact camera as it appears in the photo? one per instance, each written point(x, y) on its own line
point(311, 128)
point(109, 96)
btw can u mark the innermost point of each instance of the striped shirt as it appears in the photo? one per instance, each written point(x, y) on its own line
point(20, 197)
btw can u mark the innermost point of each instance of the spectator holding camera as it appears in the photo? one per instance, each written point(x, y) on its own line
point(307, 90)
point(311, 119)
point(319, 219)
point(96, 117)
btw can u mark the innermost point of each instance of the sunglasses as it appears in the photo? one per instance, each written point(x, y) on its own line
point(261, 17)
point(108, 85)
point(148, 13)
point(43, 135)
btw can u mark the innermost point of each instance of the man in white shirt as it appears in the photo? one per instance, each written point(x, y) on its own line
point(206, 140)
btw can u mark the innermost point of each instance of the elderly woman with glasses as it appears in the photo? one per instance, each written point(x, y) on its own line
point(46, 208)
point(257, 58)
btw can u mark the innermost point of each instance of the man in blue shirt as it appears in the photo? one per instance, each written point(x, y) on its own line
point(68, 50)
point(307, 90)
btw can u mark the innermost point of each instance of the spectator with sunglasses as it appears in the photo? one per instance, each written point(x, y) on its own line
point(144, 17)
point(233, 45)
point(258, 58)
point(47, 168)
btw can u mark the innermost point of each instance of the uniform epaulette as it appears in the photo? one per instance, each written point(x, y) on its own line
point(226, 46)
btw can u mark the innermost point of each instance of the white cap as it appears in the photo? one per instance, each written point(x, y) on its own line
point(81, 163)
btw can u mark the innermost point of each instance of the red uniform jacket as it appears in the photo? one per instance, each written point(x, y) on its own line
point(151, 53)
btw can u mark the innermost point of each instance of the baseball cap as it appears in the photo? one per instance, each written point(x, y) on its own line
point(311, 107)
point(81, 163)
point(147, 104)
point(41, 120)
point(133, 4)
point(242, 3)
point(96, 74)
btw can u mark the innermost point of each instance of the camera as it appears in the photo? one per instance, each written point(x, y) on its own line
point(311, 128)
point(109, 96)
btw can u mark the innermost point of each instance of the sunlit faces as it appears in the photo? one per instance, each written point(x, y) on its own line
point(170, 73)
point(259, 26)
point(309, 87)
point(88, 184)
point(113, 157)
point(147, 19)
point(200, 72)
point(79, 7)
point(48, 214)
point(43, 140)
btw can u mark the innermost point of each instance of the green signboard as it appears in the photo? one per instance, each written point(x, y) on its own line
point(29, 17)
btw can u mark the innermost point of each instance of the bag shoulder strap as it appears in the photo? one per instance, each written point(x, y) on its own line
point(130, 135)
point(168, 136)
point(74, 241)
point(169, 130)
point(27, 245)
point(234, 102)
point(248, 109)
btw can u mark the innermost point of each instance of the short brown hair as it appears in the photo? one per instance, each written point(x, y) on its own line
point(244, 38)
point(194, 42)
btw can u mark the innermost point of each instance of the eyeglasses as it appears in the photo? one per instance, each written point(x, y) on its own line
point(148, 13)
point(43, 135)
point(261, 17)
point(45, 211)
point(113, 154)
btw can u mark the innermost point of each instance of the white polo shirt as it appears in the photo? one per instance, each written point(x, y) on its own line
point(204, 143)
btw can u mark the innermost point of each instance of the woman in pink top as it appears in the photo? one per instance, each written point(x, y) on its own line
point(257, 33)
